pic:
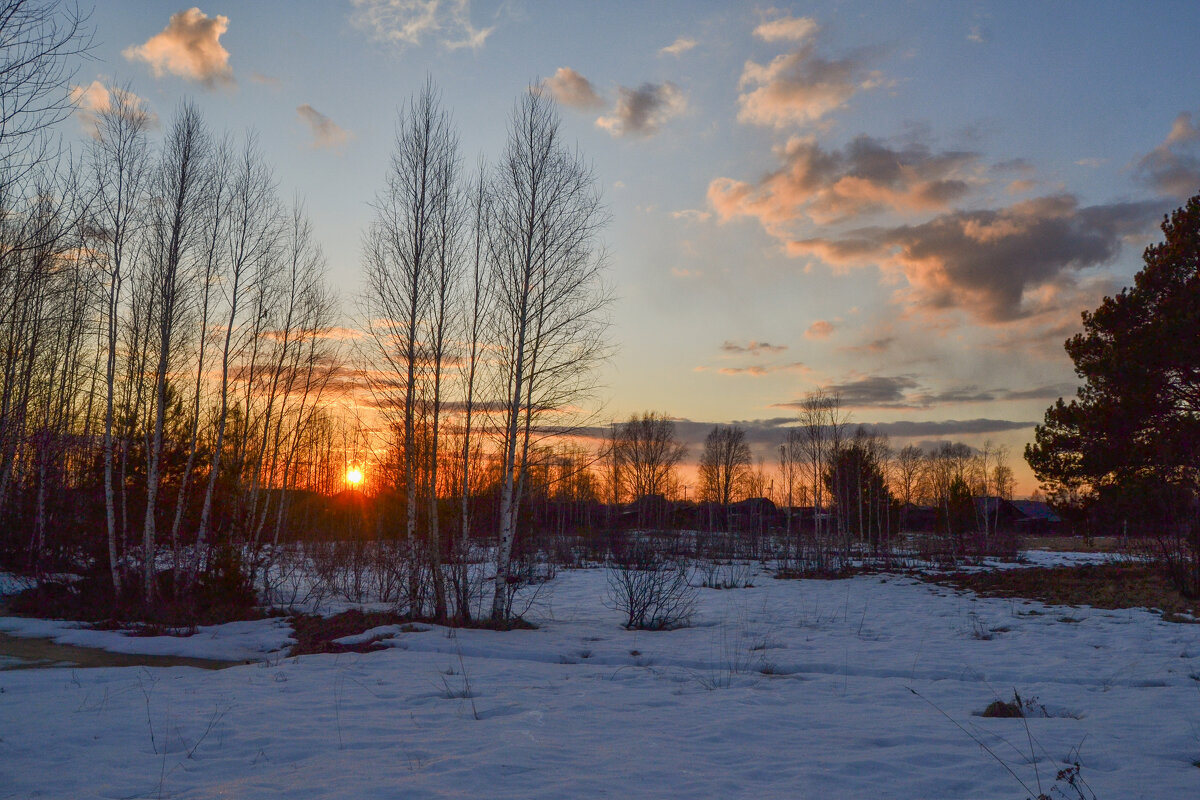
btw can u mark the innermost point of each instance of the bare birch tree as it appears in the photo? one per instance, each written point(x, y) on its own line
point(400, 253)
point(173, 229)
point(477, 307)
point(790, 459)
point(120, 161)
point(251, 239)
point(445, 275)
point(823, 424)
point(550, 326)
point(38, 42)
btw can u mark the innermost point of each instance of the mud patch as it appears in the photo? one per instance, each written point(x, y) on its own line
point(19, 653)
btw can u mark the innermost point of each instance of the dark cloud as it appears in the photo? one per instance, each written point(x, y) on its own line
point(1022, 166)
point(752, 347)
point(1049, 392)
point(1173, 168)
point(949, 427)
point(996, 265)
point(765, 435)
point(642, 111)
point(866, 176)
point(325, 132)
point(904, 392)
point(873, 391)
point(879, 344)
point(899, 392)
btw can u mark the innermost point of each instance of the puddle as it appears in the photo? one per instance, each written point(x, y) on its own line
point(20, 653)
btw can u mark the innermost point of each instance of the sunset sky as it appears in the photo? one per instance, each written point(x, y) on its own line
point(908, 203)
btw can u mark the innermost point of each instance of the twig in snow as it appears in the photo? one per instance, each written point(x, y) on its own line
point(974, 738)
point(216, 717)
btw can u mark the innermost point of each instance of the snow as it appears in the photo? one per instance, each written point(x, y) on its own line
point(847, 688)
point(1049, 558)
point(12, 584)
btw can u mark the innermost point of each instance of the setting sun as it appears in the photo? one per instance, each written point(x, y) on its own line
point(354, 476)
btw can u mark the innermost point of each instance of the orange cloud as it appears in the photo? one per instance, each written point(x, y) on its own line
point(821, 329)
point(96, 99)
point(831, 185)
point(759, 370)
point(189, 47)
point(572, 89)
point(794, 89)
point(800, 87)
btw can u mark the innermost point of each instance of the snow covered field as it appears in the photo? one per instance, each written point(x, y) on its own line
point(822, 689)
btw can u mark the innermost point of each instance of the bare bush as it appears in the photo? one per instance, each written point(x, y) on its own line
point(652, 591)
point(727, 574)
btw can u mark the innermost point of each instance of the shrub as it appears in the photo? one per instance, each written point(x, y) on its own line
point(654, 592)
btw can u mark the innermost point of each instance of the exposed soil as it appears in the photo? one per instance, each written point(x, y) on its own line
point(1120, 585)
point(315, 634)
point(40, 653)
point(90, 600)
point(1072, 544)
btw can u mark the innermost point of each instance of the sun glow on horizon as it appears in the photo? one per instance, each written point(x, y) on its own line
point(354, 476)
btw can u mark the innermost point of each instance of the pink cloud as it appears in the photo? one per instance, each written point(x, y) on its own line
point(821, 329)
point(572, 89)
point(189, 47)
point(831, 185)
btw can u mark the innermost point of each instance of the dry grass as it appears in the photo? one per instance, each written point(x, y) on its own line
point(1072, 544)
point(315, 634)
point(1123, 585)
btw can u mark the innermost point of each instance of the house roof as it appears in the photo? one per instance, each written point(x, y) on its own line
point(1035, 509)
point(987, 505)
point(1025, 510)
point(754, 504)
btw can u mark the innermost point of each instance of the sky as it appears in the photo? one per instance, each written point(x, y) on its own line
point(908, 204)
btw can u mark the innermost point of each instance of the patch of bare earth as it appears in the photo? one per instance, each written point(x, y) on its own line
point(1116, 585)
point(35, 653)
point(1072, 544)
point(316, 634)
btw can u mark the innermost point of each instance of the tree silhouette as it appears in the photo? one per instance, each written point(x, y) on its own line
point(1135, 422)
point(724, 464)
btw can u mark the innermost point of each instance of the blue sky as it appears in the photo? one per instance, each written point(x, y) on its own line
point(909, 203)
